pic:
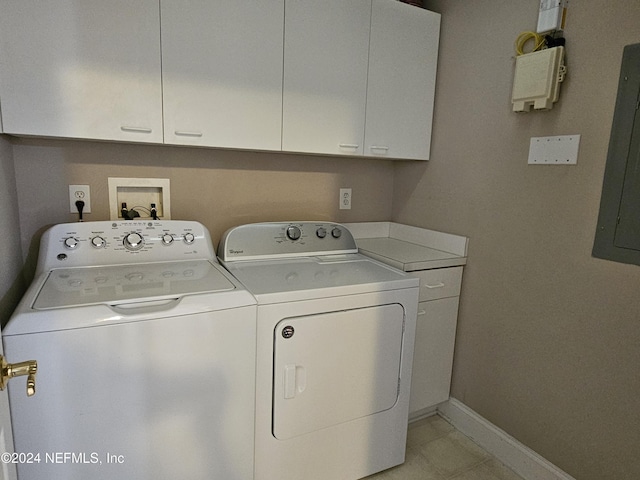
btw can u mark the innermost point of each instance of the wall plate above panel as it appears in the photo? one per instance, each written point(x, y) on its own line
point(557, 150)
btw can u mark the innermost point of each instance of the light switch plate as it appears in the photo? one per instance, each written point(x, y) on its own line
point(557, 150)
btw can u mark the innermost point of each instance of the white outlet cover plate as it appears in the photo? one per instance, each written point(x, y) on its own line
point(556, 150)
point(79, 192)
point(345, 199)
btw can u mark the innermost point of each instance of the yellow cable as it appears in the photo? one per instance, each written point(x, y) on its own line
point(524, 37)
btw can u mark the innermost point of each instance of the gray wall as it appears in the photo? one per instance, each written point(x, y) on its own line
point(11, 279)
point(548, 345)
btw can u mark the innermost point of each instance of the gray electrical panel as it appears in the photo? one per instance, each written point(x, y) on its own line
point(618, 232)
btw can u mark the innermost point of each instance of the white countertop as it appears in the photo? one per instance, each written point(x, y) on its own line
point(409, 248)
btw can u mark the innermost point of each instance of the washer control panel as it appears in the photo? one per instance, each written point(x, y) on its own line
point(277, 240)
point(110, 243)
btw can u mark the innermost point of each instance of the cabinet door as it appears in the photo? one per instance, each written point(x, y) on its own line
point(401, 86)
point(222, 72)
point(433, 353)
point(325, 75)
point(81, 68)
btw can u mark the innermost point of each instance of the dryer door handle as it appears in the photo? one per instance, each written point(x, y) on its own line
point(289, 381)
point(295, 380)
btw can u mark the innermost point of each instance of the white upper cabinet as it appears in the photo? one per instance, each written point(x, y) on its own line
point(403, 58)
point(331, 77)
point(81, 68)
point(222, 72)
point(359, 78)
point(325, 75)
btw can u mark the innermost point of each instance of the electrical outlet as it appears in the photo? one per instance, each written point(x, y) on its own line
point(79, 192)
point(345, 199)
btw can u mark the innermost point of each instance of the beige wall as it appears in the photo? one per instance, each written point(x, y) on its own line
point(11, 279)
point(548, 346)
point(548, 340)
point(219, 188)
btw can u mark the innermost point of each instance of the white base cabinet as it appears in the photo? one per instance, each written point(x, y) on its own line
point(437, 259)
point(435, 337)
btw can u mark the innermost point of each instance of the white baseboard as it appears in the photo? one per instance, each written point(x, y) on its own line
point(518, 457)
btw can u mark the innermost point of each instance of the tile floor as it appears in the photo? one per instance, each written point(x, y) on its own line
point(437, 451)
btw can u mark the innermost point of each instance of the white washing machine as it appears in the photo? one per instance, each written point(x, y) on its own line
point(335, 336)
point(145, 350)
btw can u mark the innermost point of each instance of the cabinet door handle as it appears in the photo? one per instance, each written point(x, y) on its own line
point(183, 133)
point(128, 128)
point(349, 145)
point(383, 148)
point(437, 285)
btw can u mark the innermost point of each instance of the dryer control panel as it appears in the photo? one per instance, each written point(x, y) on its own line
point(113, 243)
point(285, 239)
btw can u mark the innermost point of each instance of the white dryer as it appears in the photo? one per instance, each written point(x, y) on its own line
point(335, 336)
point(146, 357)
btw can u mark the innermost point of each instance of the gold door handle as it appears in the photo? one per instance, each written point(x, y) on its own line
point(10, 370)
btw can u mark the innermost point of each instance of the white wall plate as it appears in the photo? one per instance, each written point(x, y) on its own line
point(557, 150)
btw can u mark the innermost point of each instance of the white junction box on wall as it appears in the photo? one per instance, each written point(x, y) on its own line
point(552, 16)
point(557, 150)
point(536, 82)
point(139, 195)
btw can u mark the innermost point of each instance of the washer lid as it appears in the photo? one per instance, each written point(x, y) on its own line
point(275, 281)
point(121, 284)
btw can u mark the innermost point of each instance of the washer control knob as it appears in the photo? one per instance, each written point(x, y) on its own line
point(293, 232)
point(71, 243)
point(133, 241)
point(336, 232)
point(189, 238)
point(167, 239)
point(98, 242)
point(321, 232)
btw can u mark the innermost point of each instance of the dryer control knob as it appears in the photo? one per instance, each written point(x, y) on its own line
point(336, 232)
point(321, 232)
point(293, 233)
point(133, 241)
point(71, 243)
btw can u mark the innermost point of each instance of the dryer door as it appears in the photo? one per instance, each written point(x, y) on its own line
point(335, 367)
